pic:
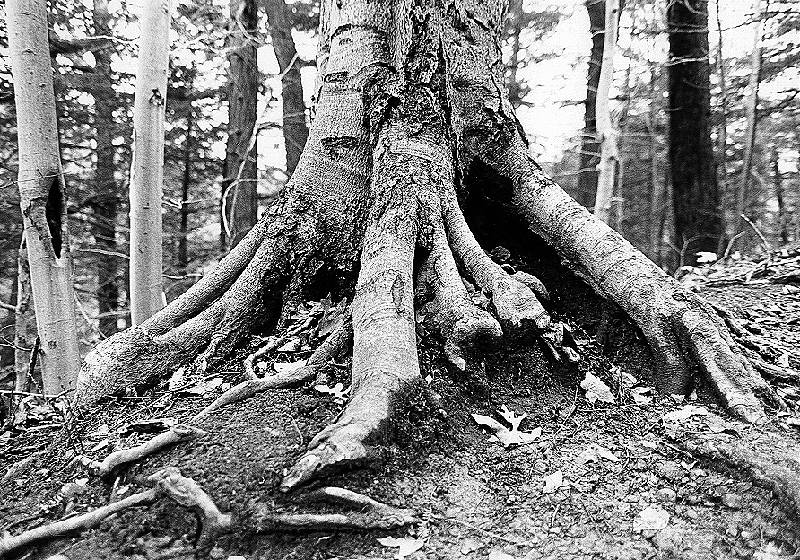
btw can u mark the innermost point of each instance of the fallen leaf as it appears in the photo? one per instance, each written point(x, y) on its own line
point(505, 436)
point(405, 546)
point(640, 395)
point(553, 482)
point(596, 390)
point(498, 554)
point(288, 367)
point(653, 518)
point(684, 413)
point(783, 361)
point(338, 392)
point(596, 452)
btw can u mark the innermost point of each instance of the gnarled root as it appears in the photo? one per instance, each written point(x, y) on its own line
point(169, 482)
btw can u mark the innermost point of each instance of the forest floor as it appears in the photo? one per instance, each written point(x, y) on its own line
point(604, 480)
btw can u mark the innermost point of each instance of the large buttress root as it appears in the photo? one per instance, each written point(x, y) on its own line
point(683, 331)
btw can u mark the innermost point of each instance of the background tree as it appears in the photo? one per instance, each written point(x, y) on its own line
point(698, 219)
point(42, 194)
point(240, 197)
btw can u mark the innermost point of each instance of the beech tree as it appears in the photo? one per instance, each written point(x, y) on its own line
point(413, 121)
point(42, 194)
point(147, 175)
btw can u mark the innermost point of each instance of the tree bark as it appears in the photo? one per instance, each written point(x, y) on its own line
point(751, 109)
point(722, 129)
point(43, 194)
point(240, 194)
point(606, 132)
point(698, 219)
point(783, 219)
point(295, 130)
point(24, 323)
point(590, 148)
point(147, 176)
point(104, 200)
point(188, 152)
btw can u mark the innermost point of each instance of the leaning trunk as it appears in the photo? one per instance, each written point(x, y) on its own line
point(42, 194)
point(240, 194)
point(606, 132)
point(698, 220)
point(148, 160)
point(295, 130)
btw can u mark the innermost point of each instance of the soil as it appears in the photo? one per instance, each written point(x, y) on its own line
point(475, 498)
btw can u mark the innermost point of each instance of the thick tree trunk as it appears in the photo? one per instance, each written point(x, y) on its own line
point(240, 193)
point(751, 109)
point(147, 176)
point(698, 218)
point(408, 107)
point(42, 194)
point(104, 201)
point(295, 130)
point(606, 132)
point(590, 147)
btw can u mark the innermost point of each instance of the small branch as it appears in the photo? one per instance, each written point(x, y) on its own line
point(764, 242)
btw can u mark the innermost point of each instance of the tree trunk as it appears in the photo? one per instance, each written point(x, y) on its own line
point(590, 148)
point(295, 130)
point(42, 194)
point(606, 132)
point(783, 220)
point(657, 187)
point(722, 129)
point(409, 117)
point(751, 111)
point(147, 176)
point(104, 200)
point(698, 220)
point(240, 194)
point(24, 323)
point(188, 151)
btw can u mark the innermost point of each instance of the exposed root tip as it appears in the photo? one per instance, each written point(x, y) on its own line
point(517, 306)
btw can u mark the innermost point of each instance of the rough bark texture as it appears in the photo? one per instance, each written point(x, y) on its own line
point(590, 148)
point(295, 130)
point(240, 193)
point(42, 194)
point(606, 132)
point(413, 113)
point(24, 323)
point(104, 201)
point(698, 217)
point(147, 176)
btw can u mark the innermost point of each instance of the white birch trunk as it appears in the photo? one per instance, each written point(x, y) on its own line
point(605, 128)
point(42, 196)
point(148, 160)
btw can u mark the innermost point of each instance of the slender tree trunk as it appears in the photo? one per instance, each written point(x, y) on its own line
point(148, 160)
point(295, 130)
point(42, 193)
point(188, 149)
point(104, 202)
point(606, 132)
point(783, 222)
point(697, 214)
point(751, 109)
point(590, 148)
point(24, 323)
point(657, 194)
point(240, 196)
point(722, 129)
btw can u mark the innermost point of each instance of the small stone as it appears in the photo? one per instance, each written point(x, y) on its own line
point(692, 514)
point(732, 530)
point(733, 501)
point(666, 495)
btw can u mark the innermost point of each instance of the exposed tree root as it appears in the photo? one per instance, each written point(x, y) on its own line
point(185, 491)
point(176, 434)
point(770, 471)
